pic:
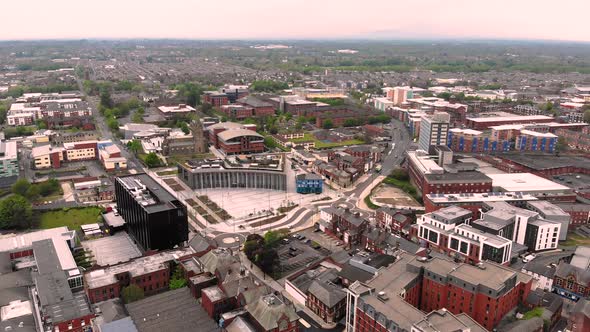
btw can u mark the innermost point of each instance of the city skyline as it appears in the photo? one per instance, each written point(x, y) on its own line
point(330, 19)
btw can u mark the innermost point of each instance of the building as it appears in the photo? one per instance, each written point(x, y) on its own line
point(235, 138)
point(475, 201)
point(397, 297)
point(309, 183)
point(155, 218)
point(9, 168)
point(237, 111)
point(171, 311)
point(448, 231)
point(260, 108)
point(61, 304)
point(528, 183)
point(110, 157)
point(552, 212)
point(178, 110)
point(346, 224)
point(55, 113)
point(215, 98)
point(572, 281)
point(434, 130)
point(394, 220)
point(522, 226)
point(580, 317)
point(483, 121)
point(270, 313)
point(150, 273)
point(253, 171)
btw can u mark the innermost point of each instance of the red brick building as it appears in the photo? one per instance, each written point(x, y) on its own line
point(237, 112)
point(346, 224)
point(215, 98)
point(235, 138)
point(150, 273)
point(571, 281)
point(486, 120)
point(400, 294)
point(394, 220)
point(259, 107)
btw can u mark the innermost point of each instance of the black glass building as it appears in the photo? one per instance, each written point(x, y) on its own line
point(155, 219)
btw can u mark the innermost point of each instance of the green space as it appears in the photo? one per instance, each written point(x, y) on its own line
point(400, 178)
point(574, 239)
point(536, 312)
point(323, 145)
point(72, 217)
point(169, 172)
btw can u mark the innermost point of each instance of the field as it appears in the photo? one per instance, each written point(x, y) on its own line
point(323, 145)
point(574, 239)
point(72, 218)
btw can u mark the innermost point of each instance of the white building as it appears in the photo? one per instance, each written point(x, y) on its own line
point(434, 130)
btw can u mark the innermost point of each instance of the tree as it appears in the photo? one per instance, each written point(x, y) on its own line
point(134, 146)
point(328, 124)
point(33, 193)
point(21, 186)
point(48, 187)
point(184, 127)
point(177, 281)
point(152, 160)
point(105, 98)
point(132, 293)
point(207, 108)
point(269, 260)
point(15, 212)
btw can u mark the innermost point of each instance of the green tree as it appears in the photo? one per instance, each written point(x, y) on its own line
point(177, 280)
point(328, 124)
point(105, 98)
point(207, 108)
point(152, 160)
point(21, 186)
point(15, 212)
point(134, 146)
point(132, 293)
point(184, 127)
point(270, 142)
point(269, 260)
point(48, 187)
point(33, 193)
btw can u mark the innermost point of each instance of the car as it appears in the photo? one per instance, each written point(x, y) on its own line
point(241, 227)
point(302, 237)
point(308, 241)
point(293, 254)
point(317, 230)
point(338, 243)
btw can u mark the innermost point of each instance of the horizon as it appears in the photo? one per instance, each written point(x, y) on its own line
point(297, 20)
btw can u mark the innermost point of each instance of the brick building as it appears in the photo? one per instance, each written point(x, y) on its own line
point(571, 281)
point(235, 138)
point(215, 98)
point(260, 108)
point(397, 298)
point(270, 313)
point(484, 121)
point(150, 273)
point(346, 224)
point(394, 220)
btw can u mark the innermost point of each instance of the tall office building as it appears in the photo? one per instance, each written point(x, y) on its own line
point(434, 130)
point(155, 219)
point(8, 163)
point(401, 94)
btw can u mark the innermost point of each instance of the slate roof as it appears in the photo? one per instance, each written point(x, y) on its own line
point(326, 293)
point(172, 311)
point(564, 270)
point(269, 309)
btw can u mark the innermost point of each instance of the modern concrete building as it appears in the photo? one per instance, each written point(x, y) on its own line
point(257, 173)
point(8, 163)
point(434, 130)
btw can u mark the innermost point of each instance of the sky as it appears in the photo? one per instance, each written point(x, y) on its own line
point(296, 19)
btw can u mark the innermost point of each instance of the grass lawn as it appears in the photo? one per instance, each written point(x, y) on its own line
point(72, 218)
point(574, 239)
point(321, 145)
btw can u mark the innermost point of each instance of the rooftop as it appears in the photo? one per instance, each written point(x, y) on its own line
point(139, 266)
point(12, 241)
point(443, 320)
point(181, 108)
point(268, 309)
point(525, 182)
point(172, 311)
point(480, 197)
point(238, 132)
point(147, 192)
point(112, 250)
point(8, 150)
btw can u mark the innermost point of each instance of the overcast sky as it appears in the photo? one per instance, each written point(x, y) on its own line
point(258, 19)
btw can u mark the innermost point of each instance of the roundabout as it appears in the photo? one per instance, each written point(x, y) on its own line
point(230, 240)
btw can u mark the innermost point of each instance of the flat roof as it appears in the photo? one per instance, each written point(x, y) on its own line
point(8, 149)
point(480, 197)
point(175, 310)
point(176, 109)
point(138, 266)
point(112, 250)
point(547, 161)
point(153, 198)
point(507, 117)
point(15, 241)
point(525, 182)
